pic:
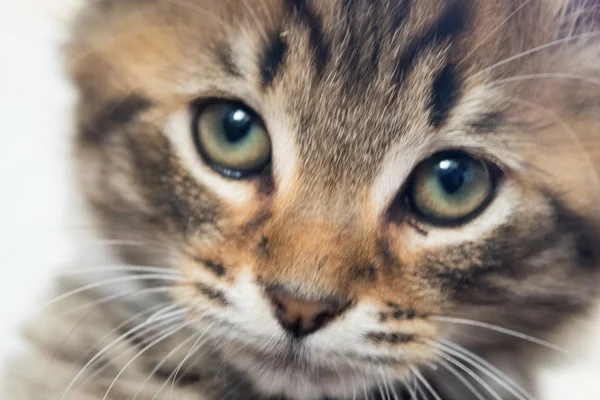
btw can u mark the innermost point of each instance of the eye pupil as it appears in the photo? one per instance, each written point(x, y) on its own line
point(452, 175)
point(236, 124)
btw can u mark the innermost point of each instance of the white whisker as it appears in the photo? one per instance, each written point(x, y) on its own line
point(103, 351)
point(197, 344)
point(385, 384)
point(144, 350)
point(162, 312)
point(118, 268)
point(365, 390)
point(380, 390)
point(493, 31)
point(59, 347)
point(424, 382)
point(534, 50)
point(123, 325)
point(546, 75)
point(419, 390)
point(259, 24)
point(484, 365)
point(138, 336)
point(472, 374)
point(499, 329)
point(118, 296)
point(411, 389)
point(168, 314)
point(463, 380)
point(111, 281)
point(160, 364)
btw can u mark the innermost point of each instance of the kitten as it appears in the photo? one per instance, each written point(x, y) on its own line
point(311, 199)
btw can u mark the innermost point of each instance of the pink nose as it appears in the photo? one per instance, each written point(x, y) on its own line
point(301, 317)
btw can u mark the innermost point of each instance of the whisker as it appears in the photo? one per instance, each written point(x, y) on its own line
point(380, 390)
point(118, 296)
point(365, 390)
point(121, 326)
point(197, 344)
point(463, 380)
point(385, 384)
point(394, 393)
point(144, 350)
point(493, 31)
point(472, 374)
point(138, 336)
point(482, 364)
point(118, 268)
point(198, 356)
point(159, 365)
point(390, 386)
point(103, 351)
point(81, 321)
point(419, 389)
point(423, 381)
point(259, 24)
point(499, 329)
point(110, 282)
point(532, 51)
point(411, 389)
point(167, 314)
point(546, 75)
point(160, 313)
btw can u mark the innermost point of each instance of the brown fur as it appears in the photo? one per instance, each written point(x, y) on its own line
point(349, 94)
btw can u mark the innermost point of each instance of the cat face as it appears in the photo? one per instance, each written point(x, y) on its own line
point(343, 182)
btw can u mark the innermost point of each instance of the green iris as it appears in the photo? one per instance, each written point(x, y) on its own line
point(233, 139)
point(451, 187)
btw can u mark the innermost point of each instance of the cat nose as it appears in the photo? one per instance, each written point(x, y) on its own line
point(301, 317)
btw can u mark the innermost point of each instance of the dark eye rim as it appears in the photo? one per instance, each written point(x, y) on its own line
point(197, 108)
point(495, 173)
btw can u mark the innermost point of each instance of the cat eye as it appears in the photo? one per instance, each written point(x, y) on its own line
point(232, 139)
point(450, 188)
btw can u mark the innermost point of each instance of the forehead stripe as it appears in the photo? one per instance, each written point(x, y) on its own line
point(226, 60)
point(306, 16)
point(445, 93)
point(272, 59)
point(451, 22)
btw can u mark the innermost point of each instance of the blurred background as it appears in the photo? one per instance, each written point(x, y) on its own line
point(38, 233)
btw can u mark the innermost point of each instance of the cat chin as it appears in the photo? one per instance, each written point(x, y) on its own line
point(308, 382)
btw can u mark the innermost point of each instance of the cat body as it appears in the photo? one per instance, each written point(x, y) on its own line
point(335, 199)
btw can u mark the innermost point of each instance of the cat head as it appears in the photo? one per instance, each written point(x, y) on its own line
point(342, 184)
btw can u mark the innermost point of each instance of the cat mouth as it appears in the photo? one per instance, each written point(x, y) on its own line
point(295, 356)
point(295, 371)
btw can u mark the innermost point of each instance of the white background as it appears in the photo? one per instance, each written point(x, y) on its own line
point(35, 127)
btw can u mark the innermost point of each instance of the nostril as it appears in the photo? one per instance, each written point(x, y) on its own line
point(301, 317)
point(323, 318)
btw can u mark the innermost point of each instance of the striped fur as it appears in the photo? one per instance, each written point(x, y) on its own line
point(354, 93)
